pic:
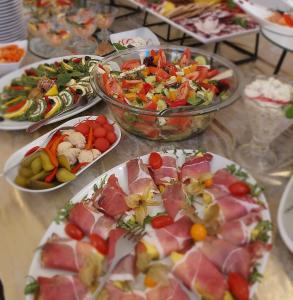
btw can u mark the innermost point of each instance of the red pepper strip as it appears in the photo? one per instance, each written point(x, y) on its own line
point(16, 87)
point(51, 176)
point(53, 139)
point(53, 158)
point(55, 144)
point(77, 167)
point(16, 106)
point(32, 150)
point(89, 144)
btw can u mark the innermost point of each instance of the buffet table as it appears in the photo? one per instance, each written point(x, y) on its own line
point(24, 217)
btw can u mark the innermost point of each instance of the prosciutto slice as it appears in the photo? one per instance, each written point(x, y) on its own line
point(233, 208)
point(174, 237)
point(139, 178)
point(200, 275)
point(114, 293)
point(171, 291)
point(62, 287)
point(90, 221)
point(238, 231)
point(227, 257)
point(224, 177)
point(112, 199)
point(168, 171)
point(70, 255)
point(173, 199)
point(196, 166)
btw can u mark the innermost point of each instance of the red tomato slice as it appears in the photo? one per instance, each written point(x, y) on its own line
point(288, 19)
point(238, 286)
point(161, 221)
point(203, 73)
point(210, 87)
point(177, 103)
point(99, 243)
point(111, 86)
point(161, 75)
point(171, 69)
point(192, 76)
point(162, 59)
point(153, 70)
point(74, 231)
point(130, 64)
point(126, 84)
point(239, 188)
point(152, 105)
point(146, 87)
point(183, 90)
point(185, 57)
point(212, 73)
point(155, 160)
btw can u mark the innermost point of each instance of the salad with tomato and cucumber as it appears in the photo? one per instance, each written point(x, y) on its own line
point(43, 91)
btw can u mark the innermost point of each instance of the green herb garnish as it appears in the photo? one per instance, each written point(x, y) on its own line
point(63, 213)
point(255, 276)
point(288, 109)
point(261, 231)
point(237, 171)
point(31, 288)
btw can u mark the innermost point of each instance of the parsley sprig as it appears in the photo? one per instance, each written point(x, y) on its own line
point(255, 275)
point(261, 231)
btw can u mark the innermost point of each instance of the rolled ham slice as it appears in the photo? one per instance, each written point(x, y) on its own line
point(238, 231)
point(62, 287)
point(227, 257)
point(139, 178)
point(173, 199)
point(115, 293)
point(69, 255)
point(224, 178)
point(174, 237)
point(168, 171)
point(200, 275)
point(112, 199)
point(196, 166)
point(91, 221)
point(171, 291)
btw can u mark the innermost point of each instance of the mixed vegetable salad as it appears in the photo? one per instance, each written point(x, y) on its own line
point(66, 153)
point(48, 89)
point(157, 83)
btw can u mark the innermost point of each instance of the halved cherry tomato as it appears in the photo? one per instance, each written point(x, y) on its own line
point(130, 64)
point(99, 243)
point(155, 160)
point(161, 221)
point(185, 57)
point(238, 286)
point(74, 231)
point(126, 84)
point(162, 60)
point(239, 188)
point(16, 106)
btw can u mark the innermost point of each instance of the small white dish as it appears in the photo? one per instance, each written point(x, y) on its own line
point(9, 67)
point(142, 32)
point(285, 215)
point(17, 156)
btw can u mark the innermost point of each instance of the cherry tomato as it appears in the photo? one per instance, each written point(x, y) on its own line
point(238, 286)
point(102, 144)
point(111, 137)
point(74, 231)
point(161, 221)
point(82, 128)
point(130, 64)
point(102, 120)
point(99, 243)
point(239, 188)
point(109, 127)
point(155, 160)
point(100, 132)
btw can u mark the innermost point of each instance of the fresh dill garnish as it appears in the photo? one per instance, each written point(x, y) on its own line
point(255, 276)
point(63, 213)
point(237, 171)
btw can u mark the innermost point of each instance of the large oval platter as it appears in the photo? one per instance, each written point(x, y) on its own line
point(15, 159)
point(120, 171)
point(22, 125)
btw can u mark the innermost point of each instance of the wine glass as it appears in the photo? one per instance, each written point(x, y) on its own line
point(267, 120)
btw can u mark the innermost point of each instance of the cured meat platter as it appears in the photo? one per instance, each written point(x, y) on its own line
point(207, 224)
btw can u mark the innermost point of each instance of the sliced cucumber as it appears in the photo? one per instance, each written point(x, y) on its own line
point(201, 60)
point(67, 98)
point(150, 79)
point(37, 113)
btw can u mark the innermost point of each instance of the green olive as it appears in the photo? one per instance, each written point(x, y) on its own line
point(36, 165)
point(46, 163)
point(21, 181)
point(64, 175)
point(64, 162)
point(25, 172)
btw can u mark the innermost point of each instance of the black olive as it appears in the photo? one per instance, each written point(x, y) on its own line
point(1, 119)
point(148, 61)
point(66, 61)
point(78, 91)
point(87, 57)
point(51, 101)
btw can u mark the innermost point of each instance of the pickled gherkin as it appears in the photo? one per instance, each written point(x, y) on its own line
point(36, 165)
point(46, 162)
point(64, 175)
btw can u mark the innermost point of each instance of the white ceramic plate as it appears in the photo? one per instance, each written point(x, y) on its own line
point(143, 32)
point(285, 215)
point(261, 13)
point(17, 156)
point(21, 125)
point(120, 171)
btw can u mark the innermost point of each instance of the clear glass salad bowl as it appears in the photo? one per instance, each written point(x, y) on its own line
point(171, 124)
